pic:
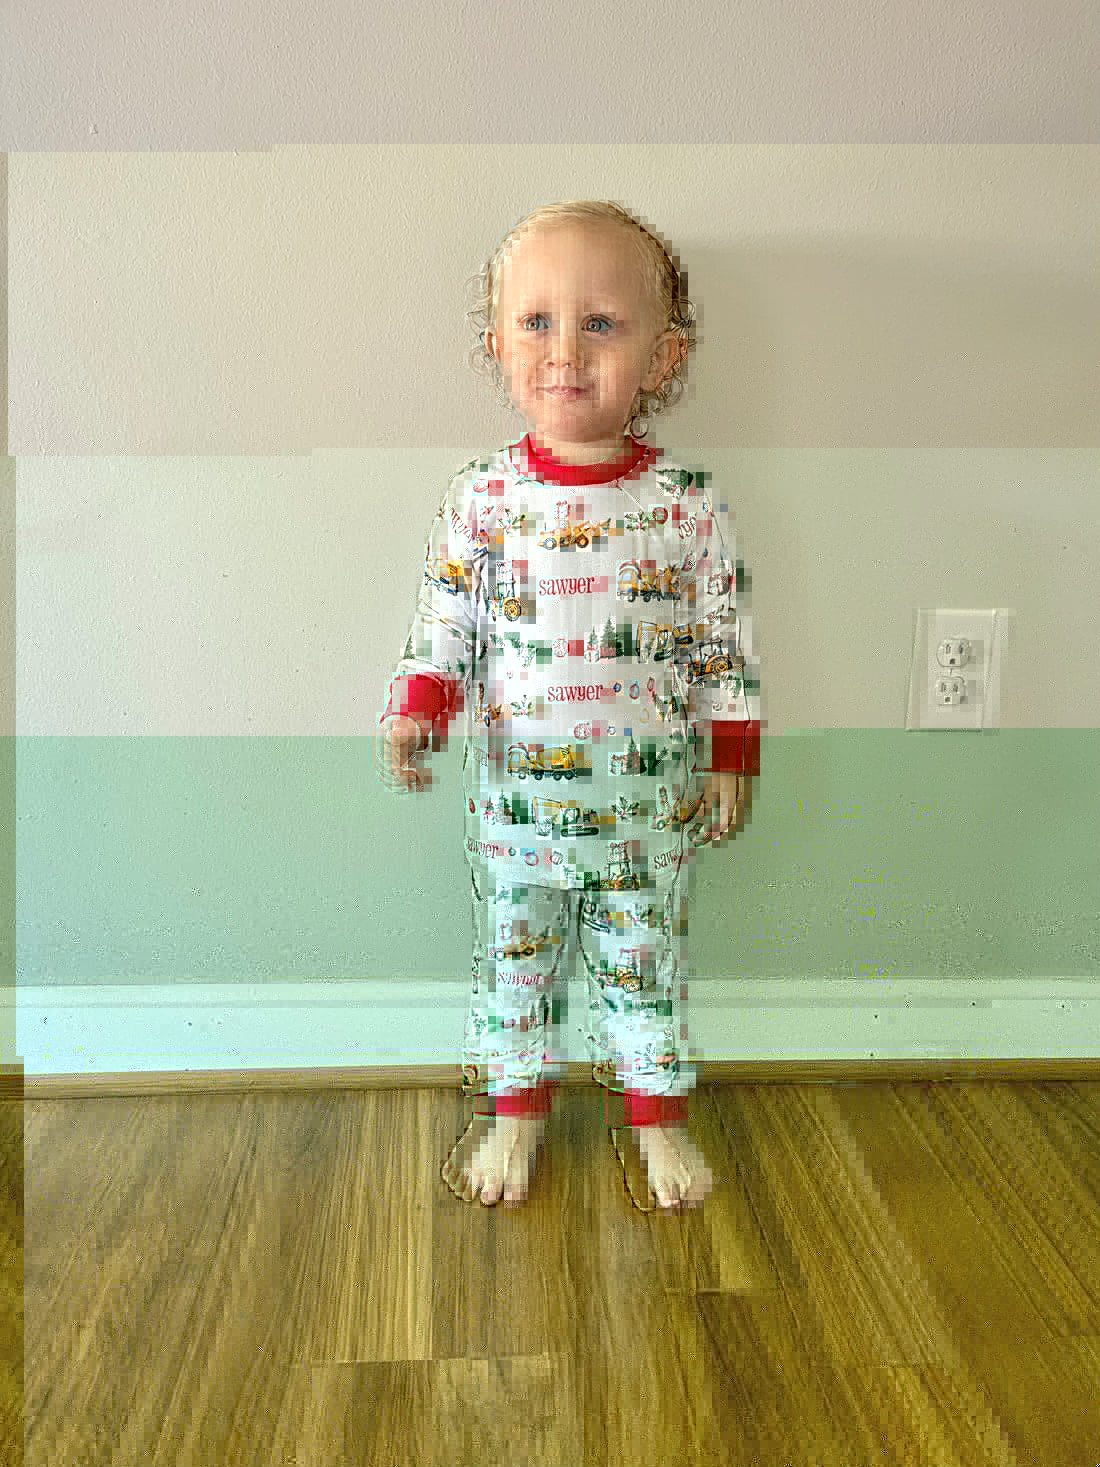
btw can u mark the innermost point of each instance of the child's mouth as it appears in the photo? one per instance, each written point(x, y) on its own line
point(566, 394)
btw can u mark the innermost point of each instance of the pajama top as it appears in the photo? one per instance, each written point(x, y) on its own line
point(590, 623)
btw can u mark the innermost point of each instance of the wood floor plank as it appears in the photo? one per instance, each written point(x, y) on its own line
point(11, 1281)
point(1009, 1242)
point(885, 1274)
point(868, 1307)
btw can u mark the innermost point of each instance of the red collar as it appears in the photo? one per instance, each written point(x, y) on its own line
point(553, 471)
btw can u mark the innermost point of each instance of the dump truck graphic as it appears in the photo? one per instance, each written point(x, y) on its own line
point(636, 580)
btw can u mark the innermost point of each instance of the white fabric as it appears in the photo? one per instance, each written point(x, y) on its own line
point(583, 693)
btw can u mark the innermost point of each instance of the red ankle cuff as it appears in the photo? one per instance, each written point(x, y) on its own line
point(525, 1104)
point(655, 1110)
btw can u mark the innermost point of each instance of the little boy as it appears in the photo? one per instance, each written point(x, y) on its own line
point(579, 603)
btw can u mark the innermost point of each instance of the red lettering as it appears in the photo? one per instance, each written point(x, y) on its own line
point(559, 693)
point(569, 585)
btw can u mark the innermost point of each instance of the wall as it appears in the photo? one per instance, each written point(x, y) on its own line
point(238, 391)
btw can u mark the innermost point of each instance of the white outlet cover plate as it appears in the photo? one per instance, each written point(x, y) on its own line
point(981, 673)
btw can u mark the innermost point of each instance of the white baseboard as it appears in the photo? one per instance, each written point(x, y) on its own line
point(322, 1023)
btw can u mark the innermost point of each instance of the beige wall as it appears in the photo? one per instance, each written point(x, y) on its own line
point(239, 387)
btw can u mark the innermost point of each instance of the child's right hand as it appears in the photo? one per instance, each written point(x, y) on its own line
point(402, 738)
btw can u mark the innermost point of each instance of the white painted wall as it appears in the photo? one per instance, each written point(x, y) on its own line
point(239, 389)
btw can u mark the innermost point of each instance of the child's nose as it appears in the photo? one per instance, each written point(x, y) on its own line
point(566, 346)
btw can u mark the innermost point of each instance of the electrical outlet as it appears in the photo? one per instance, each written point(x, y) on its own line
point(955, 676)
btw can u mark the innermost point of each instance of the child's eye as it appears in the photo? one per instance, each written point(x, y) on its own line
point(538, 316)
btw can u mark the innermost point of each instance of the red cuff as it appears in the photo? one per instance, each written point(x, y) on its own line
point(428, 698)
point(734, 746)
point(655, 1110)
point(526, 1103)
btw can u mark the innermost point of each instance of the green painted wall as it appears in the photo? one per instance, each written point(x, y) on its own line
point(868, 854)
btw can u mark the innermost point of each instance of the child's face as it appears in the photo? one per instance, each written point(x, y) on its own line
point(575, 309)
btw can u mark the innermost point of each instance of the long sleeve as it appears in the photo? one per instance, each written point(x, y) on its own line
point(432, 676)
point(718, 665)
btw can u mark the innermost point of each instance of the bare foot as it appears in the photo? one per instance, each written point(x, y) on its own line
point(495, 1158)
point(678, 1172)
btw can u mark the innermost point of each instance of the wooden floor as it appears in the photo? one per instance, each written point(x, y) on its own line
point(885, 1274)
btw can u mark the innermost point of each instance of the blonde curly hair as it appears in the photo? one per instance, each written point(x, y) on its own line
point(669, 289)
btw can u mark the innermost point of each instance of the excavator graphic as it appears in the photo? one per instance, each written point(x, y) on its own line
point(555, 817)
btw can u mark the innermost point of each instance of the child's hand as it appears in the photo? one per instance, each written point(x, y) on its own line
point(402, 737)
point(720, 808)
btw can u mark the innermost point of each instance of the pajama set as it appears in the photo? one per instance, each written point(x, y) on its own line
point(588, 620)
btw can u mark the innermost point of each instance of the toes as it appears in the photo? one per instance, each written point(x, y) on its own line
point(518, 1174)
point(490, 1191)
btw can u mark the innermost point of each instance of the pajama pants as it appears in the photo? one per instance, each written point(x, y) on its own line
point(632, 945)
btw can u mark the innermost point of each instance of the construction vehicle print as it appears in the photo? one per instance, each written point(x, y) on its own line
point(519, 760)
point(619, 875)
point(553, 817)
point(575, 821)
point(634, 581)
point(448, 575)
point(710, 660)
point(660, 639)
point(485, 712)
point(504, 598)
point(560, 537)
point(559, 760)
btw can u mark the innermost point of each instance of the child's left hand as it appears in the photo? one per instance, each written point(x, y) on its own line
point(720, 808)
